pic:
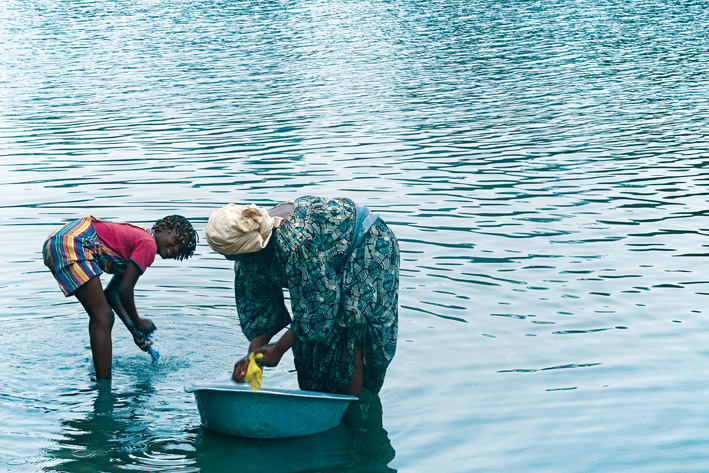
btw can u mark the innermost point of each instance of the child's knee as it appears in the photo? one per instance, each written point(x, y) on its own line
point(102, 319)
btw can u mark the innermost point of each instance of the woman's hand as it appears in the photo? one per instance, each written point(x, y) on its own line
point(271, 354)
point(271, 357)
point(240, 370)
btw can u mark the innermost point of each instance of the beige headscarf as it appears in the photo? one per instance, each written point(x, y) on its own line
point(239, 229)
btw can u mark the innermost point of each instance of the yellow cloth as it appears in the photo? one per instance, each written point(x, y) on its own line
point(239, 229)
point(254, 371)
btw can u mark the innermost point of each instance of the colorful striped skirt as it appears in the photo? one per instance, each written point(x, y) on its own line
point(73, 254)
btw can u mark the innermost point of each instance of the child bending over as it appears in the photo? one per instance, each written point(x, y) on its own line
point(80, 251)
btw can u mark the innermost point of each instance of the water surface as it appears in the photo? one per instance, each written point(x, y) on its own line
point(544, 165)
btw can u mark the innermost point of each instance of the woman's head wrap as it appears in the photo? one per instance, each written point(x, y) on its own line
point(239, 229)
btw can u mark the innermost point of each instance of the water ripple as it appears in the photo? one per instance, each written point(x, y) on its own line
point(547, 186)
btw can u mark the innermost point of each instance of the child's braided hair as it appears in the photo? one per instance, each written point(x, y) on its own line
point(187, 235)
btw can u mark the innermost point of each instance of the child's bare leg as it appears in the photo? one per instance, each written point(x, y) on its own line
point(357, 382)
point(101, 319)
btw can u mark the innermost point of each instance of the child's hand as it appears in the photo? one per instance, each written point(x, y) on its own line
point(145, 325)
point(143, 342)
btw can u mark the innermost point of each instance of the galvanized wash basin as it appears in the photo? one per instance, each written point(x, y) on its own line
point(235, 409)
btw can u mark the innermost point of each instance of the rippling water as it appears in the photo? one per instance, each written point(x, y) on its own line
point(544, 165)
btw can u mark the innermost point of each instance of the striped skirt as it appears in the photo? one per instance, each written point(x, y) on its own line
point(73, 254)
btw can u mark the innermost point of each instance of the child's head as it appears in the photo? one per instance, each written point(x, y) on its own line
point(180, 232)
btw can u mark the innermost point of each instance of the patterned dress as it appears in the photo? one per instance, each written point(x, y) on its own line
point(341, 298)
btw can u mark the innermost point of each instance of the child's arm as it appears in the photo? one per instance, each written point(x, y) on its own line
point(119, 294)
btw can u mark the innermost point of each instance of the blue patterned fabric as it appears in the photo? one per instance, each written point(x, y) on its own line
point(340, 297)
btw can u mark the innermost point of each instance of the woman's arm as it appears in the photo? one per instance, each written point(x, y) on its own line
point(272, 353)
point(258, 342)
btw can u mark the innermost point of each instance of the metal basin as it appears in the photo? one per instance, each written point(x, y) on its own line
point(270, 413)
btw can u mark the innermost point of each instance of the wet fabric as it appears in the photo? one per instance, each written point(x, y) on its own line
point(364, 219)
point(254, 372)
point(340, 299)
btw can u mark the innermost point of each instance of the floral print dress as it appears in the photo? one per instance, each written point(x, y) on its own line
point(341, 298)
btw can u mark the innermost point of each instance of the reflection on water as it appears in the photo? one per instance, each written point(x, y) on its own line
point(113, 433)
point(360, 443)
